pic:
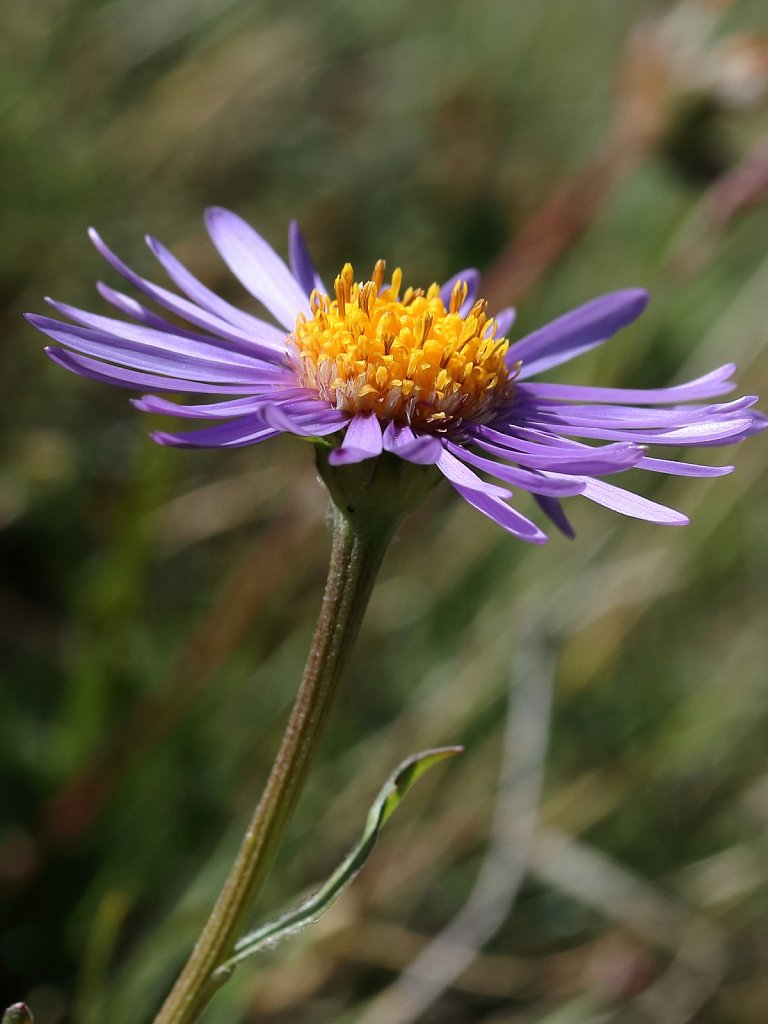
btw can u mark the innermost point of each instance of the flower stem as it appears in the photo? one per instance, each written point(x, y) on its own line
point(356, 555)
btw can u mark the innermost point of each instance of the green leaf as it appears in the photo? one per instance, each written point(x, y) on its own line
point(390, 795)
point(17, 1014)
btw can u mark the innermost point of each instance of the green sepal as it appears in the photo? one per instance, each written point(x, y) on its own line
point(389, 798)
point(375, 494)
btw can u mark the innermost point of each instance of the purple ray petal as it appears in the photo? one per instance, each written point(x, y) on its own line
point(703, 433)
point(505, 318)
point(553, 508)
point(257, 266)
point(529, 481)
point(629, 504)
point(207, 299)
point(422, 449)
point(577, 331)
point(471, 278)
point(708, 386)
point(611, 416)
point(236, 434)
point(630, 417)
point(736, 405)
point(674, 468)
point(105, 373)
point(362, 440)
point(579, 449)
point(215, 410)
point(759, 422)
point(301, 262)
point(288, 421)
point(182, 307)
point(528, 439)
point(507, 518)
point(463, 477)
point(143, 357)
point(162, 340)
point(612, 458)
point(537, 442)
point(131, 307)
point(756, 422)
point(144, 315)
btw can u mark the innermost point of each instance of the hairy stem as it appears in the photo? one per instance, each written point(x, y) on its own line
point(356, 555)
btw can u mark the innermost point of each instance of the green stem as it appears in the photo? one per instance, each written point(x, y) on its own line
point(355, 559)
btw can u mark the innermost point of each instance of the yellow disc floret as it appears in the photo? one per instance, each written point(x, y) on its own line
point(408, 359)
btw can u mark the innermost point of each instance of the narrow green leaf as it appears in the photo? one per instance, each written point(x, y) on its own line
point(17, 1014)
point(390, 795)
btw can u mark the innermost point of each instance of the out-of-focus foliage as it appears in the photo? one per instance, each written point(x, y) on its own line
point(155, 606)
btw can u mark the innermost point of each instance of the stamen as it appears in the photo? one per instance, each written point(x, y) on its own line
point(368, 293)
point(425, 327)
point(458, 296)
point(377, 277)
point(341, 295)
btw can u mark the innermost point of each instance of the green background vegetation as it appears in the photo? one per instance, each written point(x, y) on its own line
point(156, 606)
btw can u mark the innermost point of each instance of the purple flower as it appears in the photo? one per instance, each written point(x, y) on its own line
point(425, 375)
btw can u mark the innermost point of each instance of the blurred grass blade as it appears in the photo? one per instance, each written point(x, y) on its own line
point(17, 1014)
point(390, 795)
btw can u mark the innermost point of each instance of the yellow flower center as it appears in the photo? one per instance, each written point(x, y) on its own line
point(407, 359)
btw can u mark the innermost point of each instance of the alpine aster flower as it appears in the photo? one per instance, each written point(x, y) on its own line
point(425, 375)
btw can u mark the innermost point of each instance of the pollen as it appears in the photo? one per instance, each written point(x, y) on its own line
point(408, 359)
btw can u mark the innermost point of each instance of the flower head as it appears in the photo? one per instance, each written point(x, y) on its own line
point(425, 375)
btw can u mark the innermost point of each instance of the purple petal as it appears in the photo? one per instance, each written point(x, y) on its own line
point(576, 332)
point(529, 481)
point(463, 477)
point(565, 455)
point(257, 266)
point(163, 340)
point(552, 507)
point(236, 434)
point(143, 314)
point(632, 417)
point(507, 518)
point(292, 421)
point(205, 298)
point(505, 318)
point(708, 386)
point(629, 504)
point(362, 440)
point(674, 468)
point(422, 449)
point(471, 278)
point(214, 410)
point(758, 423)
point(696, 434)
point(301, 262)
point(612, 458)
point(105, 373)
point(561, 445)
point(755, 423)
point(182, 307)
point(611, 416)
point(145, 357)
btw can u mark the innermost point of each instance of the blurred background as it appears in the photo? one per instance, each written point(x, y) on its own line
point(156, 605)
